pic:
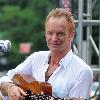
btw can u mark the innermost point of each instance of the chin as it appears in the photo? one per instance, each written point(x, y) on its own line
point(55, 50)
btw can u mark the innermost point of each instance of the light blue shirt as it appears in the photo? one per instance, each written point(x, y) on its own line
point(73, 78)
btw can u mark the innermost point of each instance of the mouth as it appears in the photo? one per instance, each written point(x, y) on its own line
point(55, 45)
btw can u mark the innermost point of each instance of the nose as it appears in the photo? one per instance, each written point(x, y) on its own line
point(54, 37)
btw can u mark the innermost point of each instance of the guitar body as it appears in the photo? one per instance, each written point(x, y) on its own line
point(36, 90)
point(35, 86)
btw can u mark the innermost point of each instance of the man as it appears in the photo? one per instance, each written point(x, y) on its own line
point(69, 76)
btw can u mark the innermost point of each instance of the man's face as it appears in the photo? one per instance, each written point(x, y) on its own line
point(57, 35)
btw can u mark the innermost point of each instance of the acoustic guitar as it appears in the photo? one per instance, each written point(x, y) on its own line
point(36, 90)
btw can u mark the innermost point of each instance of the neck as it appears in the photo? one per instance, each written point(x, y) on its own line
point(56, 57)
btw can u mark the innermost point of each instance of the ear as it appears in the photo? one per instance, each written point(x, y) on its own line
point(72, 33)
point(72, 30)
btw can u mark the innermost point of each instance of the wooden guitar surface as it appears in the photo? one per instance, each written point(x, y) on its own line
point(35, 87)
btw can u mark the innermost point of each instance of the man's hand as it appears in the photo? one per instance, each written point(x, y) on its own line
point(12, 91)
point(16, 93)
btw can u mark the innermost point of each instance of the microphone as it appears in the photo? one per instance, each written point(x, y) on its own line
point(5, 46)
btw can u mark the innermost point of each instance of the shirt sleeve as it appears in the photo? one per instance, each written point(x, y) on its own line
point(83, 84)
point(23, 68)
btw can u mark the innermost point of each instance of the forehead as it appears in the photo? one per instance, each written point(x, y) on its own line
point(56, 23)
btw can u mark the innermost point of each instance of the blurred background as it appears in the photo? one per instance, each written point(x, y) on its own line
point(22, 23)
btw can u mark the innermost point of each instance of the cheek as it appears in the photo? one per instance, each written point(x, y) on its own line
point(66, 41)
point(47, 39)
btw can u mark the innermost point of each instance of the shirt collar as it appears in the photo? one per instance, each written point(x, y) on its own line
point(47, 58)
point(64, 61)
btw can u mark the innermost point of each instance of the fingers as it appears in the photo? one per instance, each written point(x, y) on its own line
point(22, 92)
point(16, 93)
point(18, 96)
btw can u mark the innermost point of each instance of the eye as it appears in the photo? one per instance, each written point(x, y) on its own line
point(49, 33)
point(60, 33)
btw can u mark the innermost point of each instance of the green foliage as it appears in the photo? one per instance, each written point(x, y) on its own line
point(22, 21)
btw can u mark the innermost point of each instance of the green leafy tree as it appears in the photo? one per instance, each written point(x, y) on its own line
point(22, 21)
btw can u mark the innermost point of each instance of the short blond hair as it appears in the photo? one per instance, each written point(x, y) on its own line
point(61, 12)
